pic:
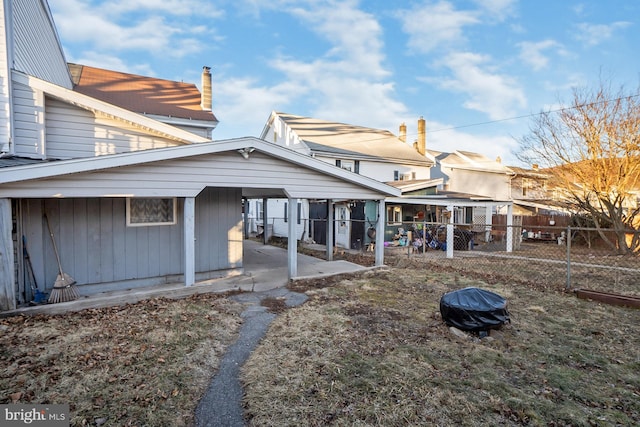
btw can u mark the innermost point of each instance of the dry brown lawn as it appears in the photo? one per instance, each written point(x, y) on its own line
point(372, 350)
point(140, 364)
point(365, 349)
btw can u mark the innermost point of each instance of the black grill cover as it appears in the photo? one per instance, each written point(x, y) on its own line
point(474, 309)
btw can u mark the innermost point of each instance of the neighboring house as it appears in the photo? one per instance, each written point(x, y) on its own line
point(468, 172)
point(432, 183)
point(374, 153)
point(473, 176)
point(134, 198)
point(533, 193)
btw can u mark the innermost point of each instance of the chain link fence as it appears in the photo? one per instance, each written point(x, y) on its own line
point(552, 257)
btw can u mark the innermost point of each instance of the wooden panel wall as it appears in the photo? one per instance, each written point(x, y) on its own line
point(218, 229)
point(96, 246)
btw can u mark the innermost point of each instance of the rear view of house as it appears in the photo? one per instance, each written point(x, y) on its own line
point(136, 192)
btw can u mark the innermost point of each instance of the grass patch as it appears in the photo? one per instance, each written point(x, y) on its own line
point(139, 364)
point(372, 349)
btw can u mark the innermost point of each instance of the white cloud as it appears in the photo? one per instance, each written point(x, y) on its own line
point(172, 7)
point(497, 9)
point(487, 91)
point(244, 105)
point(440, 137)
point(347, 83)
point(434, 25)
point(110, 62)
point(594, 34)
point(355, 36)
point(531, 53)
point(112, 28)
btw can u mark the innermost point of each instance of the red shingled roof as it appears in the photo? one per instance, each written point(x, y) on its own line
point(140, 94)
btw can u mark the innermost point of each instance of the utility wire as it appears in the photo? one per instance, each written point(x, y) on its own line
point(573, 107)
point(535, 114)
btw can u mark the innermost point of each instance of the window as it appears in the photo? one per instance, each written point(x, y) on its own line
point(346, 164)
point(463, 215)
point(356, 166)
point(527, 185)
point(259, 211)
point(396, 175)
point(147, 212)
point(286, 211)
point(394, 215)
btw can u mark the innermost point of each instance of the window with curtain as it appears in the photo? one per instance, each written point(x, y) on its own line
point(151, 211)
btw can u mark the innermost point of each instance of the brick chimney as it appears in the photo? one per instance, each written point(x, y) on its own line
point(422, 137)
point(206, 100)
point(403, 133)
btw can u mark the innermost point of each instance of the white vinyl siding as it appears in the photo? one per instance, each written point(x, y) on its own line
point(4, 83)
point(383, 171)
point(72, 132)
point(28, 122)
point(205, 133)
point(37, 50)
point(188, 176)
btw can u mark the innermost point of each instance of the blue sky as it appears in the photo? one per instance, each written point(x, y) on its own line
point(468, 67)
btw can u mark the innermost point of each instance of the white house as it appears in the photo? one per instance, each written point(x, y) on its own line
point(374, 153)
point(134, 199)
point(432, 183)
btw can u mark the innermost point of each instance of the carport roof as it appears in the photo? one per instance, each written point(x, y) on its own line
point(12, 179)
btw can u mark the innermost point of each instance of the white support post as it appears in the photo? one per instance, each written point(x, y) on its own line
point(329, 238)
point(379, 249)
point(265, 221)
point(509, 234)
point(189, 241)
point(245, 228)
point(292, 239)
point(450, 238)
point(7, 275)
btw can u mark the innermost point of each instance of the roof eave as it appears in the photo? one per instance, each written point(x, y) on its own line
point(67, 167)
point(107, 110)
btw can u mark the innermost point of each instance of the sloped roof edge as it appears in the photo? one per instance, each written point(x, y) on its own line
point(72, 166)
point(95, 105)
point(338, 137)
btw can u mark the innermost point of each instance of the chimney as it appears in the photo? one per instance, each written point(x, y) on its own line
point(534, 166)
point(206, 100)
point(498, 159)
point(403, 132)
point(422, 137)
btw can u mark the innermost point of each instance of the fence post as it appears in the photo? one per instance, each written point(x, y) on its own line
point(568, 240)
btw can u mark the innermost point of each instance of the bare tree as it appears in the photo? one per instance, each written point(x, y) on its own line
point(592, 151)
